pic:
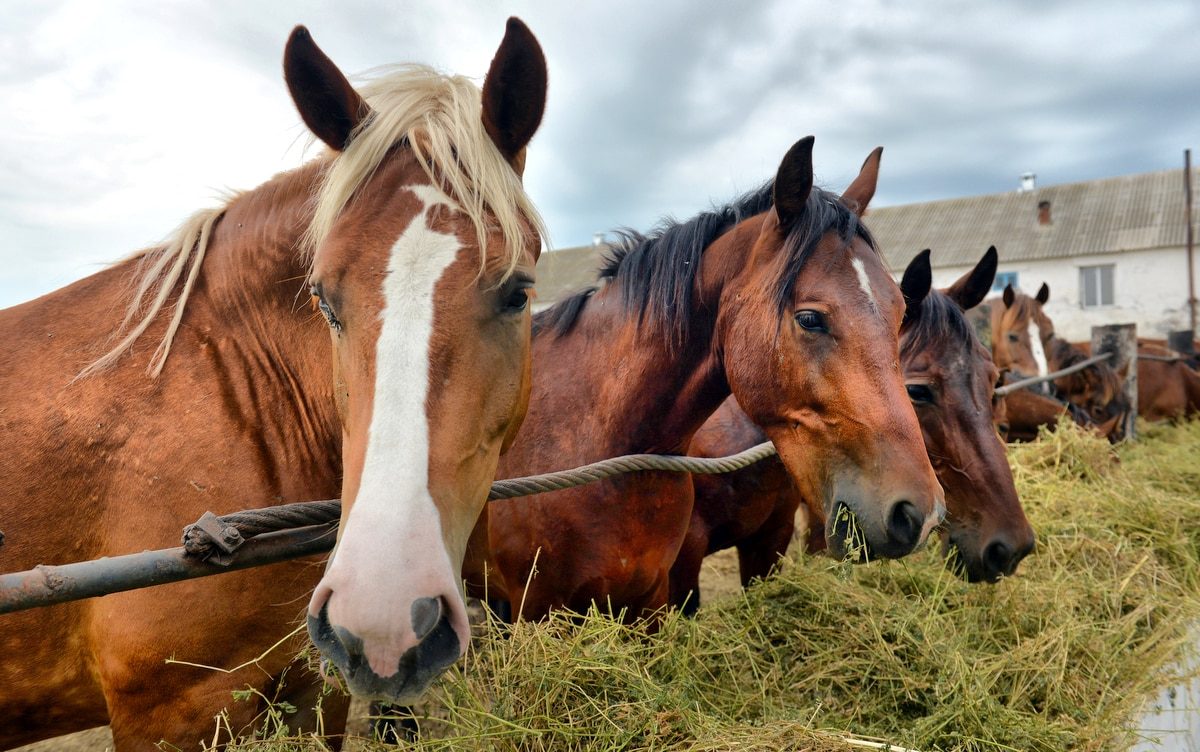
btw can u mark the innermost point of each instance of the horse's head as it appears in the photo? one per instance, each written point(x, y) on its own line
point(950, 379)
point(423, 245)
point(827, 387)
point(1021, 332)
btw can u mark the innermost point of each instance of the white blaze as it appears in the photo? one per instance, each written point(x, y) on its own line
point(1039, 353)
point(391, 551)
point(863, 280)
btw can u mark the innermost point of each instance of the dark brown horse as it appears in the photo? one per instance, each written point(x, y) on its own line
point(417, 241)
point(949, 377)
point(781, 299)
point(1024, 344)
point(1022, 413)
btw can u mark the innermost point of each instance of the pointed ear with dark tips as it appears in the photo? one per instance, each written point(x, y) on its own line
point(514, 93)
point(915, 284)
point(1043, 294)
point(328, 104)
point(862, 190)
point(970, 290)
point(793, 182)
point(1009, 295)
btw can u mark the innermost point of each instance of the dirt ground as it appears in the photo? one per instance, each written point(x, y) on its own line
point(718, 579)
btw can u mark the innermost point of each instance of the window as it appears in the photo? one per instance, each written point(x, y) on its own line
point(1096, 286)
point(1004, 279)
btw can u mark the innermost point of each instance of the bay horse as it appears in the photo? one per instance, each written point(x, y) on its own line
point(1024, 344)
point(781, 299)
point(1168, 385)
point(417, 242)
point(1020, 414)
point(949, 377)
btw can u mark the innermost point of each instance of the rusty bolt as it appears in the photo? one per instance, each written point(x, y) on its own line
point(231, 534)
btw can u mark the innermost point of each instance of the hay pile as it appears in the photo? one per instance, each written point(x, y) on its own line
point(826, 654)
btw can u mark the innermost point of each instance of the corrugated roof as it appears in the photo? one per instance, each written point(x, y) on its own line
point(1126, 213)
point(568, 270)
point(1132, 212)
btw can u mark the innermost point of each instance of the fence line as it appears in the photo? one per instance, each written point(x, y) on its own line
point(213, 545)
point(1032, 380)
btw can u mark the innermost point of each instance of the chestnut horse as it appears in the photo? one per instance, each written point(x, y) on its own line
point(417, 241)
point(780, 298)
point(950, 378)
point(1024, 344)
point(1168, 386)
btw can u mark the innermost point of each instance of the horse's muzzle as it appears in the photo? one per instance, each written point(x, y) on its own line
point(437, 650)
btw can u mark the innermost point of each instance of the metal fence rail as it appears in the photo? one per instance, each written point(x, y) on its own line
point(1034, 380)
point(213, 545)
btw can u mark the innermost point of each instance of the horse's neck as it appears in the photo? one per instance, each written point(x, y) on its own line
point(248, 332)
point(621, 385)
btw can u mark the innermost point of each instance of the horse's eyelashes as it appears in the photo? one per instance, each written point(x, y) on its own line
point(325, 309)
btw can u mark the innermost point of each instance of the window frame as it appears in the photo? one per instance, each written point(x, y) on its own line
point(1096, 272)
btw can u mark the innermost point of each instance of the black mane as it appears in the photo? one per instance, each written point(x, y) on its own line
point(656, 273)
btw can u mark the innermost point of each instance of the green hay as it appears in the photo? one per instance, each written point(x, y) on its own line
point(825, 654)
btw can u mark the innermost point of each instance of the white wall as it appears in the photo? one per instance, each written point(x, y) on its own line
point(1150, 287)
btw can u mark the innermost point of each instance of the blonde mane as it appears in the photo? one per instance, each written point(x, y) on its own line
point(438, 116)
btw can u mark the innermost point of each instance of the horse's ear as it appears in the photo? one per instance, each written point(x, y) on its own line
point(793, 182)
point(1043, 294)
point(514, 93)
point(862, 190)
point(915, 284)
point(1009, 295)
point(970, 290)
point(328, 104)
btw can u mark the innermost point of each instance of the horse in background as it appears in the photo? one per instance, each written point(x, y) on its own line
point(781, 299)
point(1168, 385)
point(415, 242)
point(949, 378)
point(1024, 344)
point(1021, 414)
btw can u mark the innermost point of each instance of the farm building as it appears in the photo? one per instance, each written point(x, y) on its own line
point(1111, 250)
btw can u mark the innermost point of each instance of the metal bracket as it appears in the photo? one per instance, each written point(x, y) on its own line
point(226, 539)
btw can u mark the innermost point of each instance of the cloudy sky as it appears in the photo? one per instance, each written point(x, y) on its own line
point(118, 119)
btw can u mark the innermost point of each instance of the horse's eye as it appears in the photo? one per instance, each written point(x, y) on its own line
point(326, 310)
point(813, 321)
point(1013, 337)
point(919, 393)
point(516, 300)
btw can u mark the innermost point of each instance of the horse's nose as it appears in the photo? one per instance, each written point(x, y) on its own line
point(1001, 557)
point(369, 674)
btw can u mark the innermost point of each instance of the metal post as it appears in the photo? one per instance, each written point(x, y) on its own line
point(1121, 339)
point(1187, 213)
point(47, 585)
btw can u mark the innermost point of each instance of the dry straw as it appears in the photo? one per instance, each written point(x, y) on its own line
point(831, 656)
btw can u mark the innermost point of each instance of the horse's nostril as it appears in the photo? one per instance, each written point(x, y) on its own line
point(904, 524)
point(425, 615)
point(998, 559)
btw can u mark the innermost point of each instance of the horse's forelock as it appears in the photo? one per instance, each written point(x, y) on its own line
point(824, 213)
point(439, 118)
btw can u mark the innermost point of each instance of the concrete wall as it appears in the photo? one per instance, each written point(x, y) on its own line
point(1150, 288)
